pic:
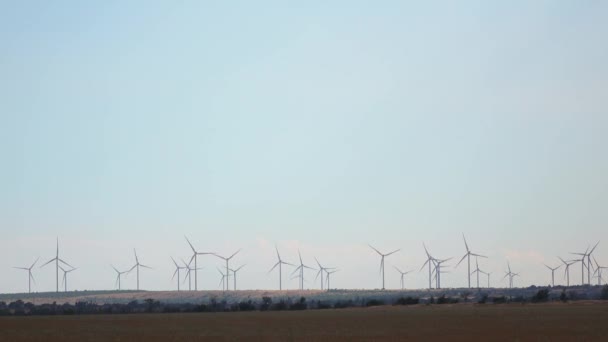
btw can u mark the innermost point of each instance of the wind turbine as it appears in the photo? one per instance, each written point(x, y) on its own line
point(382, 261)
point(321, 270)
point(590, 264)
point(429, 260)
point(234, 275)
point(224, 279)
point(328, 273)
point(194, 255)
point(402, 276)
point(598, 270)
point(177, 269)
point(57, 260)
point(301, 268)
point(468, 256)
point(567, 271)
point(488, 274)
point(280, 263)
point(510, 274)
point(30, 277)
point(227, 268)
point(118, 275)
point(438, 271)
point(188, 273)
point(138, 265)
point(553, 269)
point(477, 270)
point(65, 277)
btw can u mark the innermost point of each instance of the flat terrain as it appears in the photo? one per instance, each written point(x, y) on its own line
point(580, 321)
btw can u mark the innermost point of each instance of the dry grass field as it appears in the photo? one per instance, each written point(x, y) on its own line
point(580, 321)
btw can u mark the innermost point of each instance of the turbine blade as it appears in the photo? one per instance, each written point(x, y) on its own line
point(461, 260)
point(592, 249)
point(377, 251)
point(479, 255)
point(193, 250)
point(38, 258)
point(393, 252)
point(465, 243)
point(65, 263)
point(275, 266)
point(144, 266)
point(235, 253)
point(48, 262)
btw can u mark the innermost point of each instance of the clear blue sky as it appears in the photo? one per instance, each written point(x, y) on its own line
point(324, 126)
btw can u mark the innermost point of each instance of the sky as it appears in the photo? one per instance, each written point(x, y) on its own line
point(316, 126)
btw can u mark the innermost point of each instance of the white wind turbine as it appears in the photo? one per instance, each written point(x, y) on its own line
point(438, 271)
point(510, 274)
point(468, 256)
point(429, 260)
point(234, 275)
point(382, 260)
point(321, 270)
point(598, 270)
point(65, 277)
point(195, 253)
point(300, 269)
point(227, 268)
point(189, 272)
point(567, 271)
point(328, 273)
point(224, 280)
point(118, 276)
point(488, 274)
point(177, 269)
point(30, 277)
point(402, 276)
point(137, 266)
point(57, 260)
point(553, 269)
point(477, 270)
point(280, 263)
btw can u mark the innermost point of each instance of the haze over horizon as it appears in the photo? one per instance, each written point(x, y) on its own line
point(317, 126)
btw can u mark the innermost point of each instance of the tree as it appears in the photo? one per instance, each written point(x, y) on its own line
point(604, 293)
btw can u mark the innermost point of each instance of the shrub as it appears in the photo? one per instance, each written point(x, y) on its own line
point(407, 301)
point(344, 304)
point(499, 300)
point(374, 302)
point(541, 296)
point(483, 299)
point(266, 303)
point(300, 305)
point(604, 293)
point(563, 297)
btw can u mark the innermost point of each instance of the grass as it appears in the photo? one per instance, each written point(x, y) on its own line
point(581, 321)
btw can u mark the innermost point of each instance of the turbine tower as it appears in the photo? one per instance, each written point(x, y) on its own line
point(195, 253)
point(280, 263)
point(57, 260)
point(234, 275)
point(468, 256)
point(118, 275)
point(227, 268)
point(177, 269)
point(65, 277)
point(300, 269)
point(382, 256)
point(137, 265)
point(553, 269)
point(402, 276)
point(30, 277)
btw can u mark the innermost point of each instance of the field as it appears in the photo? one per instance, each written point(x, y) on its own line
point(578, 321)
